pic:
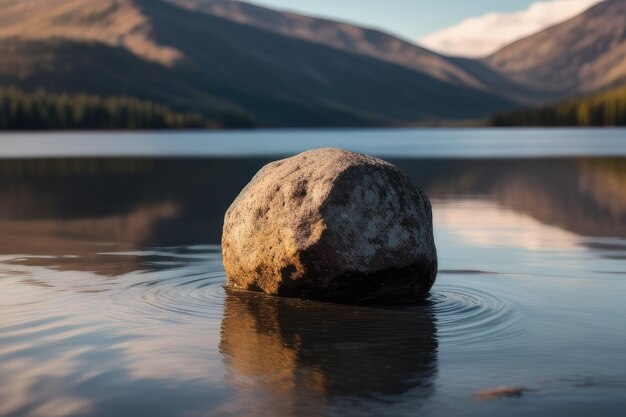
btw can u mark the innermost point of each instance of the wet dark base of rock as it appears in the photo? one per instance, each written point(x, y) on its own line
point(393, 286)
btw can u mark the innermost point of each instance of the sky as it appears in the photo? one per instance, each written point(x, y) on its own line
point(455, 27)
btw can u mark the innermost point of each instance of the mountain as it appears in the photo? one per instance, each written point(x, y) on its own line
point(583, 54)
point(602, 109)
point(339, 35)
point(369, 42)
point(202, 63)
point(237, 64)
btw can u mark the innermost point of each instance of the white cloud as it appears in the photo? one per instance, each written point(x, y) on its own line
point(482, 35)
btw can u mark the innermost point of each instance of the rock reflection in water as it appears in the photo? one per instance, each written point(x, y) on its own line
point(294, 354)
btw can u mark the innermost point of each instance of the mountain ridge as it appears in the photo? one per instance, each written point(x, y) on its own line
point(341, 35)
point(214, 65)
point(469, 72)
point(584, 54)
point(232, 60)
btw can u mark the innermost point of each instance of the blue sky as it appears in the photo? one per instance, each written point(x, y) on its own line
point(472, 28)
point(411, 19)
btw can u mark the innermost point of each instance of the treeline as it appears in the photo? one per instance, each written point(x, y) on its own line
point(43, 110)
point(603, 109)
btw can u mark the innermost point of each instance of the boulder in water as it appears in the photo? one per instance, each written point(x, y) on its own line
point(331, 225)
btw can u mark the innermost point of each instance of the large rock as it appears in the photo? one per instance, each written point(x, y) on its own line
point(331, 225)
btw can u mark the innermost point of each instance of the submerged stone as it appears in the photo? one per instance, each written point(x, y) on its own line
point(500, 392)
point(331, 225)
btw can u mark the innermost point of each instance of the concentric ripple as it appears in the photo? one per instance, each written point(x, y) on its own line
point(186, 285)
point(472, 318)
point(199, 296)
point(190, 285)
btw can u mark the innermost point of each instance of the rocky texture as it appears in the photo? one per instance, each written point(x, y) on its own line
point(332, 225)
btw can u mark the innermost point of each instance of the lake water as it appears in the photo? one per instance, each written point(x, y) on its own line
point(111, 281)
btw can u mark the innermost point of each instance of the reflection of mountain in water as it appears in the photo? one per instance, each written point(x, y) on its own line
point(179, 201)
point(294, 351)
point(160, 202)
point(584, 196)
point(84, 238)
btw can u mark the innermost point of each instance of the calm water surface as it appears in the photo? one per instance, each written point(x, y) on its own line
point(112, 301)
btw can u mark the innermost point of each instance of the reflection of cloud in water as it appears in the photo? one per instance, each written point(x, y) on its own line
point(24, 392)
point(28, 368)
point(582, 196)
point(61, 407)
point(68, 352)
point(487, 224)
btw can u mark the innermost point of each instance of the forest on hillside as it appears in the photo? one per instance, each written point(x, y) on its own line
point(43, 110)
point(602, 109)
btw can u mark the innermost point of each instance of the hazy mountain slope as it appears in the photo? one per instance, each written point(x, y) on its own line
point(339, 35)
point(370, 42)
point(494, 80)
point(203, 63)
point(583, 54)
